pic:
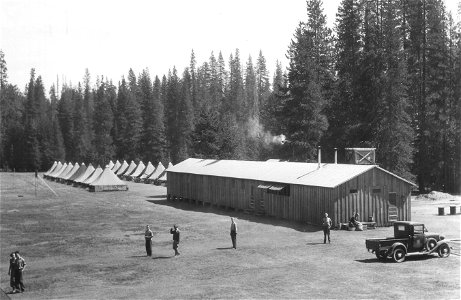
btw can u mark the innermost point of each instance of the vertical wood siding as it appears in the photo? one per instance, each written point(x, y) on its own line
point(305, 203)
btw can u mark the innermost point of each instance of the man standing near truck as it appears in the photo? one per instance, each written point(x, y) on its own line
point(326, 225)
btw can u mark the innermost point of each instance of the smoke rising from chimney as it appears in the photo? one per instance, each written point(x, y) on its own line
point(256, 130)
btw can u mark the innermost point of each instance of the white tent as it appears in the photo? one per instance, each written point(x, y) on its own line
point(163, 178)
point(51, 169)
point(85, 175)
point(122, 168)
point(59, 168)
point(110, 164)
point(70, 166)
point(116, 166)
point(61, 171)
point(55, 168)
point(128, 171)
point(137, 172)
point(108, 181)
point(93, 176)
point(70, 173)
point(77, 174)
point(146, 173)
point(156, 174)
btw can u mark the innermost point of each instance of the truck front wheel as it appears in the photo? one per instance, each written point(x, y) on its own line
point(444, 250)
point(431, 243)
point(399, 255)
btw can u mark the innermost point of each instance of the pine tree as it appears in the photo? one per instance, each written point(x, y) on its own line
point(66, 116)
point(262, 78)
point(394, 135)
point(309, 83)
point(173, 94)
point(103, 121)
point(152, 138)
point(185, 121)
point(57, 142)
point(32, 157)
point(345, 111)
point(129, 123)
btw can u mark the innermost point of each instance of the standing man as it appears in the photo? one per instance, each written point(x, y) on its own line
point(326, 225)
point(20, 265)
point(233, 233)
point(175, 232)
point(12, 272)
point(148, 236)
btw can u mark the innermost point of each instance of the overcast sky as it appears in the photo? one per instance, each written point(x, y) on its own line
point(61, 38)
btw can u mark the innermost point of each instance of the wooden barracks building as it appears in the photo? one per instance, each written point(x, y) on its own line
point(296, 191)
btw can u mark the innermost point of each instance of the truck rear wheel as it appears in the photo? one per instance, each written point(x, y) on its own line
point(444, 250)
point(399, 255)
point(381, 255)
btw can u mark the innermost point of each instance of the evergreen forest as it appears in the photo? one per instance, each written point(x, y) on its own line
point(387, 76)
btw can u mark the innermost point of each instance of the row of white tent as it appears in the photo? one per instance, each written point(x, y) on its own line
point(97, 179)
point(140, 172)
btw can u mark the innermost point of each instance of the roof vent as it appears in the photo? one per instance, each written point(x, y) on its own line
point(360, 156)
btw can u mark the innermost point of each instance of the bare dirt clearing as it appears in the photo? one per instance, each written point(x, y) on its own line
point(86, 245)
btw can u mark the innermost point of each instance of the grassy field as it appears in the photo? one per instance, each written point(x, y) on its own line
point(83, 245)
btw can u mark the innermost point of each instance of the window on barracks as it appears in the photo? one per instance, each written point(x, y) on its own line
point(279, 189)
point(393, 198)
point(353, 191)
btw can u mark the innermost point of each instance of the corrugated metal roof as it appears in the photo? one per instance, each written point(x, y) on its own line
point(329, 175)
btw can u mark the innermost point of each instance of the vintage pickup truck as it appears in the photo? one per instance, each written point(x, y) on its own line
point(409, 237)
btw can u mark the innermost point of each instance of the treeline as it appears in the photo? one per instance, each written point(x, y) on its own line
point(388, 76)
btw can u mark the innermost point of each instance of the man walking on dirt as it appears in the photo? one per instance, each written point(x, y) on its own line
point(233, 233)
point(148, 236)
point(175, 232)
point(326, 225)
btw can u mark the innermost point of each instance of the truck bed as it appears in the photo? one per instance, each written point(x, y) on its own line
point(376, 244)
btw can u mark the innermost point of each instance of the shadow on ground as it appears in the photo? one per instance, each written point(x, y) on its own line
point(238, 214)
point(407, 259)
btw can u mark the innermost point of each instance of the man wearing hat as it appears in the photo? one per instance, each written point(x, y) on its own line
point(175, 232)
point(148, 236)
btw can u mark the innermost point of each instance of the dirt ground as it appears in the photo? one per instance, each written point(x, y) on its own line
point(82, 245)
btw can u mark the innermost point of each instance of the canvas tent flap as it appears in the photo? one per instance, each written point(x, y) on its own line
point(148, 170)
point(138, 170)
point(56, 169)
point(93, 176)
point(52, 168)
point(158, 171)
point(116, 166)
point(122, 168)
point(71, 172)
point(79, 172)
point(130, 169)
point(89, 170)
